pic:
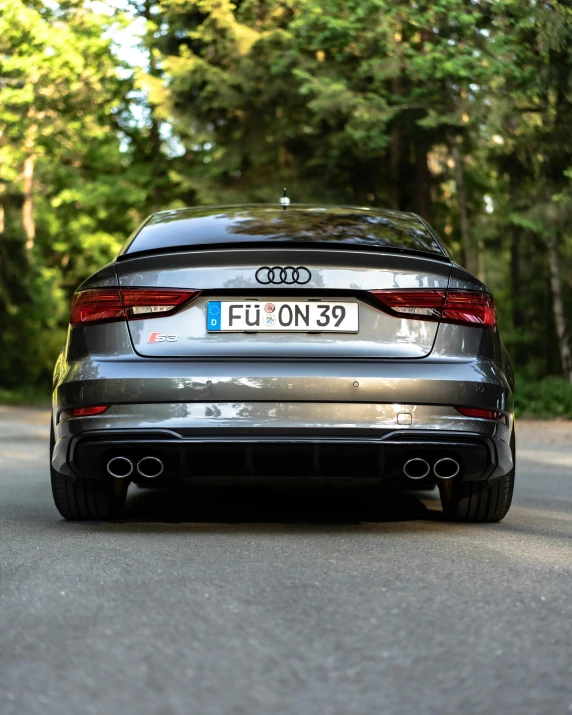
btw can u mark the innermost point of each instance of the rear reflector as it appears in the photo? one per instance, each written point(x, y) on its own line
point(456, 306)
point(482, 414)
point(104, 305)
point(84, 411)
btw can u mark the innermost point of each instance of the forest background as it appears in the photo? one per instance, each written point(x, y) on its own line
point(459, 110)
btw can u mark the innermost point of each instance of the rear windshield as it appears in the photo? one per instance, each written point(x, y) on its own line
point(251, 226)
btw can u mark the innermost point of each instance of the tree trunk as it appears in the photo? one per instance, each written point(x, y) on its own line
point(28, 206)
point(155, 153)
point(423, 182)
point(394, 159)
point(517, 282)
point(558, 308)
point(481, 273)
point(2, 219)
point(468, 261)
point(395, 152)
point(28, 220)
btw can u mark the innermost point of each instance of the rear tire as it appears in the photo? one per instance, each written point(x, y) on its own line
point(87, 498)
point(478, 501)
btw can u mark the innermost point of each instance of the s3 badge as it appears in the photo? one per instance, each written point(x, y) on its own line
point(162, 338)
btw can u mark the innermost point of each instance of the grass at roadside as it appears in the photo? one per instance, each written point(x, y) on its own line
point(26, 397)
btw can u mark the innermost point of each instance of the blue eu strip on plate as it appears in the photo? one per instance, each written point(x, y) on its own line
point(213, 315)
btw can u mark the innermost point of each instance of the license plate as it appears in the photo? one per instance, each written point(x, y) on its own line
point(279, 316)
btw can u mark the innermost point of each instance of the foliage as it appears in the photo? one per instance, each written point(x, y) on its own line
point(60, 106)
point(551, 397)
point(29, 397)
point(458, 110)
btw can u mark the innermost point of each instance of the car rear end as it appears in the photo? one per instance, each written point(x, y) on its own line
point(259, 342)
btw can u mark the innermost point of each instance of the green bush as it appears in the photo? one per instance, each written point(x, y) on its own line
point(544, 399)
point(26, 397)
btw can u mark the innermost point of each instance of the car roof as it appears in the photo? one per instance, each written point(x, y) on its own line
point(301, 225)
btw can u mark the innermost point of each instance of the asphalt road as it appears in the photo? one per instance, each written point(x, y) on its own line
point(317, 601)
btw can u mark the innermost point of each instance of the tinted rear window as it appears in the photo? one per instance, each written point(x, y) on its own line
point(298, 225)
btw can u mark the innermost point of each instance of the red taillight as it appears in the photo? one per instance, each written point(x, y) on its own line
point(95, 306)
point(455, 306)
point(103, 305)
point(85, 411)
point(482, 414)
point(422, 304)
point(470, 309)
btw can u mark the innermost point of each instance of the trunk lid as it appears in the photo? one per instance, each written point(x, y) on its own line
point(345, 275)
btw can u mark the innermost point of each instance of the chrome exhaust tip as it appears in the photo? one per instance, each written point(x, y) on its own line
point(446, 468)
point(150, 467)
point(416, 468)
point(120, 467)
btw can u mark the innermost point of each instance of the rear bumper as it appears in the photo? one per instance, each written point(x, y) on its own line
point(380, 407)
point(478, 383)
point(267, 439)
point(352, 456)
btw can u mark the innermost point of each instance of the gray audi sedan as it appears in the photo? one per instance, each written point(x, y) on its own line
point(283, 341)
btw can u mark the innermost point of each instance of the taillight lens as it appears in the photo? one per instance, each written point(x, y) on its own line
point(84, 411)
point(482, 414)
point(96, 306)
point(456, 306)
point(104, 305)
point(466, 308)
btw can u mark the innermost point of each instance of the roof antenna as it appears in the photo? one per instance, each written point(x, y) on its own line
point(284, 201)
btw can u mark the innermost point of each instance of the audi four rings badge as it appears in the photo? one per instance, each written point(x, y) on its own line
point(289, 275)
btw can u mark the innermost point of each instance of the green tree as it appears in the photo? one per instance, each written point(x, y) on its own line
point(67, 195)
point(438, 107)
point(458, 110)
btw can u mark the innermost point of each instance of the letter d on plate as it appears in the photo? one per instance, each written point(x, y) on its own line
point(213, 315)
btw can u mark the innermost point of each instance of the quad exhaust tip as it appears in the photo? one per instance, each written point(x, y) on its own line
point(150, 467)
point(120, 467)
point(446, 468)
point(416, 468)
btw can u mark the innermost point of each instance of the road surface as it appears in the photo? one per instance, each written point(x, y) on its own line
point(312, 602)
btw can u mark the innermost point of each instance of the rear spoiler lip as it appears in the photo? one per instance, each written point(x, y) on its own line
point(296, 245)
